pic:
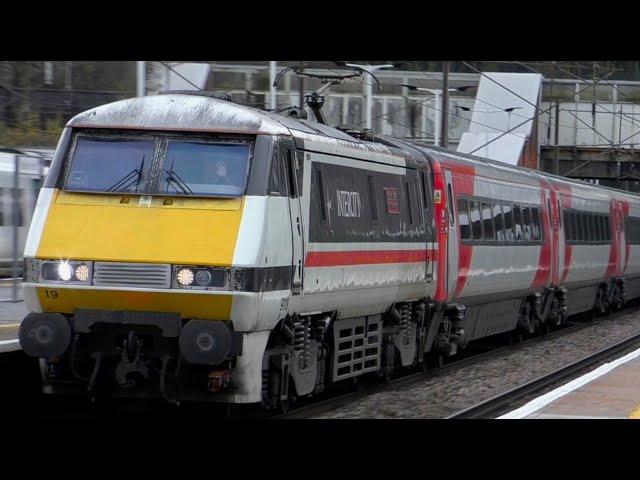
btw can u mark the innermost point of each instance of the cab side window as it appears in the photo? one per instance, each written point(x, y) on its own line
point(275, 178)
point(463, 219)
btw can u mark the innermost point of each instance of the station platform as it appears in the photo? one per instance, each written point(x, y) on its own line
point(11, 314)
point(611, 391)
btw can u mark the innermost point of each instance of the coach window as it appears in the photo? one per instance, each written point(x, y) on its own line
point(599, 229)
point(463, 219)
point(487, 220)
point(498, 222)
point(526, 218)
point(588, 227)
point(627, 229)
point(575, 222)
point(517, 222)
point(535, 221)
point(580, 224)
point(508, 222)
point(476, 222)
point(568, 229)
point(579, 228)
point(607, 231)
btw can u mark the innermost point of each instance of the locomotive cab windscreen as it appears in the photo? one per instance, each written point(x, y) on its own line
point(158, 165)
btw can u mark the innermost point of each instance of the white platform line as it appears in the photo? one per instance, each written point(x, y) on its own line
point(544, 400)
point(9, 345)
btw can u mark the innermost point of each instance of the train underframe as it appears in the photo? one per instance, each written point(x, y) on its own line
point(306, 354)
point(144, 354)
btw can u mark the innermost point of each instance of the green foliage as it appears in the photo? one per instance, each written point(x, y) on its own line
point(32, 133)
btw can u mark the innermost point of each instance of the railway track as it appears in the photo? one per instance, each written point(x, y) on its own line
point(499, 404)
point(369, 387)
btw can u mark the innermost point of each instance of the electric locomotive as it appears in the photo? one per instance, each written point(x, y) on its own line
point(189, 247)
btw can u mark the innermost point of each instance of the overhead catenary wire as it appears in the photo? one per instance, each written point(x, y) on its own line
point(613, 145)
point(544, 122)
point(180, 75)
point(538, 113)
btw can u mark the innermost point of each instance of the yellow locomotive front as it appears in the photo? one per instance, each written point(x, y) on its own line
point(142, 272)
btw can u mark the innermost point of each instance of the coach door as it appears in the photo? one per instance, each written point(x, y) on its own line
point(552, 201)
point(619, 243)
point(453, 246)
point(293, 170)
point(429, 227)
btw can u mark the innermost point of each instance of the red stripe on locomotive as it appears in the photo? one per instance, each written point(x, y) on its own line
point(367, 257)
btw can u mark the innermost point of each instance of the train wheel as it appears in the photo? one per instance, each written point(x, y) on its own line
point(438, 360)
point(284, 405)
point(425, 365)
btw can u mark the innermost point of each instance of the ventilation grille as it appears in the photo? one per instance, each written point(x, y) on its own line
point(143, 275)
point(356, 346)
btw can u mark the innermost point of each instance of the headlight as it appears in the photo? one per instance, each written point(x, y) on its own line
point(185, 277)
point(203, 278)
point(200, 278)
point(66, 271)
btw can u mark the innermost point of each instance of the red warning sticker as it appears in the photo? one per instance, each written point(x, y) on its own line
point(391, 197)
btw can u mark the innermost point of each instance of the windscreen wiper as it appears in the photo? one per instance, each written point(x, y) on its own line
point(173, 177)
point(130, 179)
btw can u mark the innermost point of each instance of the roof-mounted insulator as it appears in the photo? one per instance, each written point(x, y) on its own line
point(365, 134)
point(297, 113)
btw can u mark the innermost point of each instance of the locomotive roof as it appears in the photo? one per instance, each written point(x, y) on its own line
point(173, 112)
point(206, 113)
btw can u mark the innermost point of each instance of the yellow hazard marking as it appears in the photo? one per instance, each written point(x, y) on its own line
point(200, 231)
point(9, 325)
point(67, 300)
point(635, 413)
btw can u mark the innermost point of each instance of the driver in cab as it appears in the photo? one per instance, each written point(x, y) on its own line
point(216, 173)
